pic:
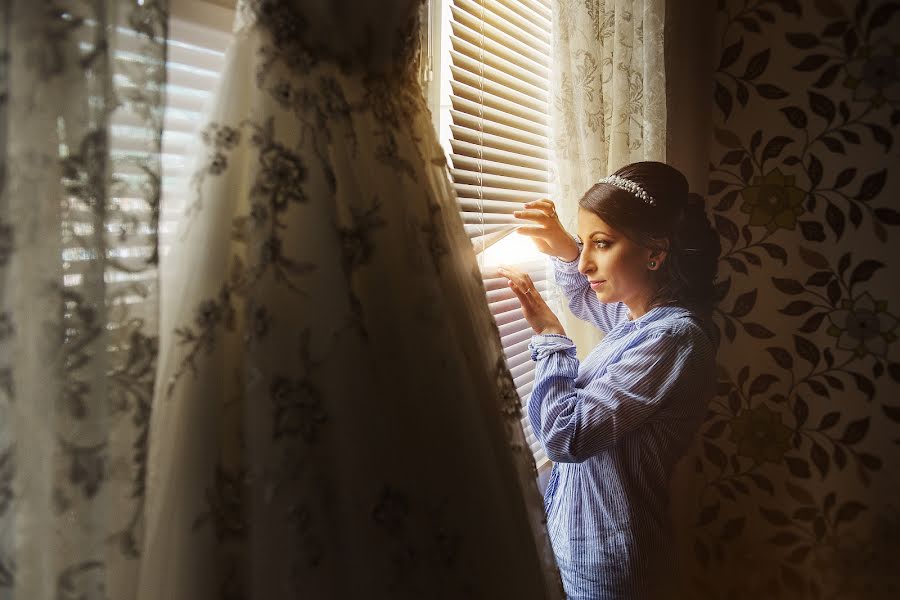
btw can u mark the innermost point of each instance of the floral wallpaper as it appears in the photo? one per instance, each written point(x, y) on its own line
point(796, 466)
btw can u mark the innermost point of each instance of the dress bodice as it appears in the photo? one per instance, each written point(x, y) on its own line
point(361, 36)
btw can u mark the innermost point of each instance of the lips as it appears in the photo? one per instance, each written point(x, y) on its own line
point(597, 284)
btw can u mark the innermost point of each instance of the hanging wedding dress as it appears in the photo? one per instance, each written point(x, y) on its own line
point(333, 416)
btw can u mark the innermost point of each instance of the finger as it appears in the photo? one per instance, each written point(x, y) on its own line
point(532, 231)
point(532, 214)
point(543, 202)
point(522, 280)
point(519, 283)
point(510, 273)
point(524, 296)
point(545, 205)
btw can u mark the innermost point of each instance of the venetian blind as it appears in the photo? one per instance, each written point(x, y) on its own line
point(499, 80)
point(198, 37)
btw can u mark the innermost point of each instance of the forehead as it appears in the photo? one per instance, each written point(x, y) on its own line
point(588, 223)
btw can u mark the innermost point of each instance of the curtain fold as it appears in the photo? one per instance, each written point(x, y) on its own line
point(81, 106)
point(334, 417)
point(609, 102)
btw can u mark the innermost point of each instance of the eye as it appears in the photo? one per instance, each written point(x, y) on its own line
point(601, 243)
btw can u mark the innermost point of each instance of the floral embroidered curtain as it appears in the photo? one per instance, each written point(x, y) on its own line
point(78, 294)
point(609, 101)
point(333, 414)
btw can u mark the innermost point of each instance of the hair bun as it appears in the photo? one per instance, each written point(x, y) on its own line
point(692, 229)
point(693, 202)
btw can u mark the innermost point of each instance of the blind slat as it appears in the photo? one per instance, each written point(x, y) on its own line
point(466, 190)
point(474, 151)
point(498, 142)
point(473, 205)
point(490, 167)
point(497, 181)
point(475, 218)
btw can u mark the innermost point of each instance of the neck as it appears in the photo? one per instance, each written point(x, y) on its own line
point(637, 309)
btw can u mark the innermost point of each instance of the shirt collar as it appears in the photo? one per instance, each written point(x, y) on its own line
point(658, 313)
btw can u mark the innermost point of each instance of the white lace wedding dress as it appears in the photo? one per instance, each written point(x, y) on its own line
point(333, 417)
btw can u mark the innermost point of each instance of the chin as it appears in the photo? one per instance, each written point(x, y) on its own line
point(604, 297)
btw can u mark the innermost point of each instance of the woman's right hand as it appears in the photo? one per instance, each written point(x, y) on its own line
point(549, 235)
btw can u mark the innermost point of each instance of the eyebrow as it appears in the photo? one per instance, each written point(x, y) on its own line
point(601, 232)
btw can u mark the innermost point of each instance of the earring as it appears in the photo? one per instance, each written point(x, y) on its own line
point(652, 264)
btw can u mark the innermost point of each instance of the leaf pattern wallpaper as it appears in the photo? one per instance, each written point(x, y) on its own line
point(796, 465)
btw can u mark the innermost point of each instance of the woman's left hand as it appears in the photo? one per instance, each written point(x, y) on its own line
point(536, 311)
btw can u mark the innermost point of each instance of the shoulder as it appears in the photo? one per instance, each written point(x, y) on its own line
point(682, 328)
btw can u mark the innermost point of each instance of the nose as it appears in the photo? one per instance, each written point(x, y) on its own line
point(585, 265)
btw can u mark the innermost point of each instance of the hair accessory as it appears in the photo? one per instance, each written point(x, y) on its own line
point(629, 186)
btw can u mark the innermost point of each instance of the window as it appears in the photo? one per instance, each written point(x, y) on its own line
point(488, 90)
point(199, 33)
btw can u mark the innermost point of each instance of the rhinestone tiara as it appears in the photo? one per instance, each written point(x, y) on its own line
point(629, 186)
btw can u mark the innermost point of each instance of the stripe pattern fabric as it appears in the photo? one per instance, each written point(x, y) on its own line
point(615, 425)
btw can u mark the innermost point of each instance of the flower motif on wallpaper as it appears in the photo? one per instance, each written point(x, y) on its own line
point(863, 326)
point(760, 434)
point(773, 201)
point(873, 73)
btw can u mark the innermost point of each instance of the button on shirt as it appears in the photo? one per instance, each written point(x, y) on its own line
point(614, 426)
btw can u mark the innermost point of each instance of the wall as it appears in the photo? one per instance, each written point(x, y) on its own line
point(795, 475)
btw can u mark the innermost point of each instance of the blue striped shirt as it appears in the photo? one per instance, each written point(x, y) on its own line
point(614, 426)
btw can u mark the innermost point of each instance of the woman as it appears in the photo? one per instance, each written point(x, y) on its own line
point(641, 269)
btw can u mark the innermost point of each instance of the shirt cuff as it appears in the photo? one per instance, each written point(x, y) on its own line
point(543, 345)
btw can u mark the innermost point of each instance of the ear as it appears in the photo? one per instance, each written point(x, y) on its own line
point(659, 255)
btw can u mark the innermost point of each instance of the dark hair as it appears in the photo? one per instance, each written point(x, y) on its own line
point(687, 275)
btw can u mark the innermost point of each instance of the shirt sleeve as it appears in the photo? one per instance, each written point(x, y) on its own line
point(583, 301)
point(574, 423)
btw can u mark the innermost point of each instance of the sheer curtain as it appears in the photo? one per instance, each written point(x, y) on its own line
point(333, 417)
point(81, 94)
point(609, 102)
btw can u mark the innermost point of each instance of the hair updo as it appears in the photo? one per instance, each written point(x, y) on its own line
point(687, 275)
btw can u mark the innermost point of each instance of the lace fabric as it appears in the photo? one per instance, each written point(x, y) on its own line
point(78, 290)
point(334, 417)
